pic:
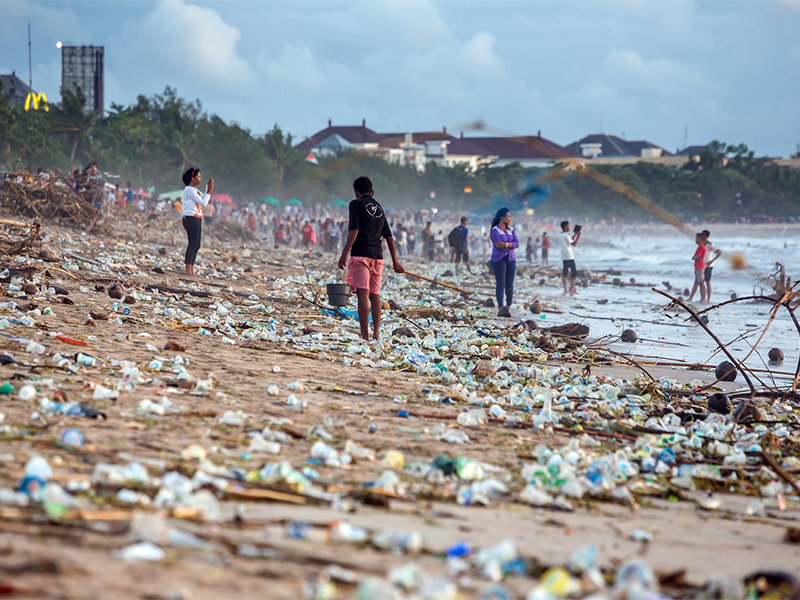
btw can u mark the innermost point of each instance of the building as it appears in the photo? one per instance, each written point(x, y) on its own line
point(15, 89)
point(336, 138)
point(607, 145)
point(439, 147)
point(83, 68)
point(690, 151)
point(529, 151)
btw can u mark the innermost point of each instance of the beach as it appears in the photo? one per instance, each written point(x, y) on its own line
point(395, 408)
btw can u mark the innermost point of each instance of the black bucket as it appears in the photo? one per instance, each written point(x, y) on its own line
point(338, 294)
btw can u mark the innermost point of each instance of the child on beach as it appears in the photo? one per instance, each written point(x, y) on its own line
point(699, 258)
point(367, 228)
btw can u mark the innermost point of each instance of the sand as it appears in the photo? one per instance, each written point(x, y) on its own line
point(74, 558)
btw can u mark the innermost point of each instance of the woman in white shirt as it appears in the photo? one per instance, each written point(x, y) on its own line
point(192, 205)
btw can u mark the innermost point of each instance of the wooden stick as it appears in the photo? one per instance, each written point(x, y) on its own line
point(773, 464)
point(739, 367)
point(447, 285)
point(13, 223)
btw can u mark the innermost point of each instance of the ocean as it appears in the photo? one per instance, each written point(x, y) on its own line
point(663, 255)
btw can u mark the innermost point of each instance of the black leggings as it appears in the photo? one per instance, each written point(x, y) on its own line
point(194, 231)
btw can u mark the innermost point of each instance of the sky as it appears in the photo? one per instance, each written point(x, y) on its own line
point(673, 72)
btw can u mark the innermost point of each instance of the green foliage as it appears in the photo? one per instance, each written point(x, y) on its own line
point(72, 120)
point(152, 141)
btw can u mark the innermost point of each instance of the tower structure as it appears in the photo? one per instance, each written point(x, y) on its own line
point(82, 67)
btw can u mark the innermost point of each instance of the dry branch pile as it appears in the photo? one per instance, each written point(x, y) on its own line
point(19, 238)
point(229, 231)
point(51, 200)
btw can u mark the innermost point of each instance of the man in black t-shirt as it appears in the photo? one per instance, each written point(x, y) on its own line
point(367, 230)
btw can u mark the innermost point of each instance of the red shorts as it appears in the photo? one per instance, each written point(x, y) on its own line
point(365, 274)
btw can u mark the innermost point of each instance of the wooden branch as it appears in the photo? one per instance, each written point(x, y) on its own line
point(722, 346)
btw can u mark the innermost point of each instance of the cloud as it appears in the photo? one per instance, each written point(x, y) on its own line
point(45, 20)
point(661, 76)
point(651, 68)
point(193, 44)
point(297, 69)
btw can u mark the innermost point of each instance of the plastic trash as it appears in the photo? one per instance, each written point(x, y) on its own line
point(634, 579)
point(103, 393)
point(342, 531)
point(259, 444)
point(140, 552)
point(397, 541)
point(454, 436)
point(33, 347)
point(233, 418)
point(299, 530)
point(27, 392)
point(393, 460)
point(72, 437)
point(38, 467)
point(326, 454)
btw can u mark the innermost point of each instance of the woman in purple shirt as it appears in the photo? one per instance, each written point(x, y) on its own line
point(504, 262)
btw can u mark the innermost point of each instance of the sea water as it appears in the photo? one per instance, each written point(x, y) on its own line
point(657, 259)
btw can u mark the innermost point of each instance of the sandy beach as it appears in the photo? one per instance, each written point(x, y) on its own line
point(248, 551)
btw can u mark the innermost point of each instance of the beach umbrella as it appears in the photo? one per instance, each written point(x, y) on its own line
point(173, 195)
point(222, 198)
point(271, 200)
point(294, 202)
point(338, 204)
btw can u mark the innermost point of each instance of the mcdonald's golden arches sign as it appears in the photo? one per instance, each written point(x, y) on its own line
point(36, 100)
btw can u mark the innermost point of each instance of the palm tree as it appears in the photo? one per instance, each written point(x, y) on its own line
point(72, 119)
point(279, 148)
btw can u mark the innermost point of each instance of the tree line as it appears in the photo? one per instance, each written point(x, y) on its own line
point(152, 141)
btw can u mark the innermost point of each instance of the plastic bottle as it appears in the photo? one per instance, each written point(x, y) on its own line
point(37, 466)
point(103, 393)
point(33, 347)
point(468, 469)
point(325, 453)
point(635, 579)
point(395, 541)
point(206, 503)
point(86, 360)
point(583, 560)
point(259, 444)
point(72, 437)
point(342, 531)
point(299, 530)
point(57, 501)
point(178, 484)
point(454, 436)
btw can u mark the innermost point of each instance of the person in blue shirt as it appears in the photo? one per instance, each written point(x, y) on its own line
point(462, 248)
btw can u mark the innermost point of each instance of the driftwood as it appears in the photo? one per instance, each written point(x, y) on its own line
point(51, 200)
point(19, 238)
